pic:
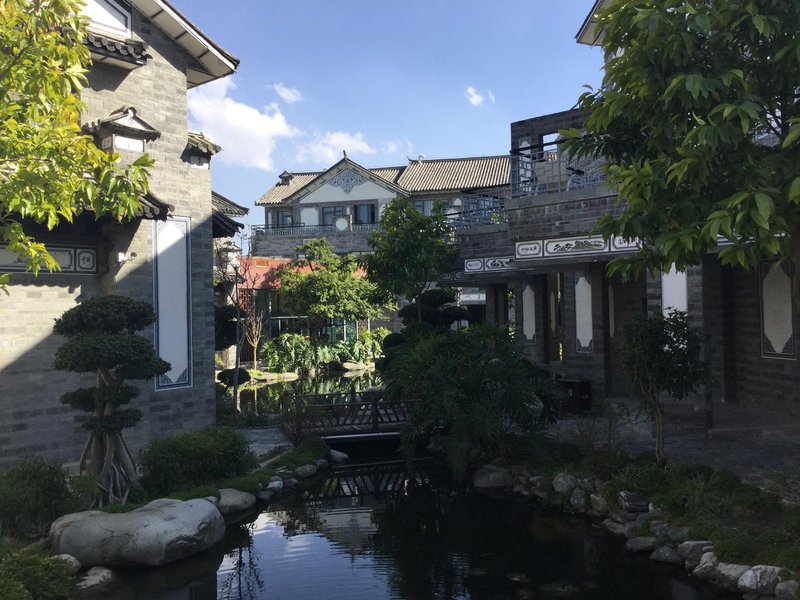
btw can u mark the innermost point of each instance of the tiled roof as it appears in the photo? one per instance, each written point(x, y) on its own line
point(455, 174)
point(197, 141)
point(226, 206)
point(390, 174)
point(419, 176)
point(123, 121)
point(281, 191)
point(129, 50)
point(153, 208)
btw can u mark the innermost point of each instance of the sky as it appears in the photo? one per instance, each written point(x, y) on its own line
point(382, 79)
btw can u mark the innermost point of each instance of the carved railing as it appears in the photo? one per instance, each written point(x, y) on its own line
point(298, 229)
point(344, 413)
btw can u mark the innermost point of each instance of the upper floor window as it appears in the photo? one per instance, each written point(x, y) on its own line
point(283, 218)
point(330, 213)
point(364, 214)
point(109, 16)
point(424, 206)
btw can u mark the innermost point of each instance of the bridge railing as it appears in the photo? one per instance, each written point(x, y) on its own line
point(343, 413)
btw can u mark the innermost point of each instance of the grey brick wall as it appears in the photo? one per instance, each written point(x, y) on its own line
point(538, 127)
point(32, 419)
point(282, 246)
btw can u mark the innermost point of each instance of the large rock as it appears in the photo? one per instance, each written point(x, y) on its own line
point(633, 502)
point(158, 533)
point(726, 575)
point(761, 579)
point(578, 499)
point(787, 590)
point(642, 544)
point(233, 501)
point(305, 471)
point(492, 476)
point(706, 567)
point(614, 527)
point(666, 554)
point(564, 483)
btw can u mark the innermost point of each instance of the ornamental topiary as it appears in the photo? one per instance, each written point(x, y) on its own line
point(101, 337)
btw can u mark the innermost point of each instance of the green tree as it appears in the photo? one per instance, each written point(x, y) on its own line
point(101, 338)
point(49, 171)
point(476, 384)
point(323, 285)
point(661, 355)
point(698, 117)
point(410, 251)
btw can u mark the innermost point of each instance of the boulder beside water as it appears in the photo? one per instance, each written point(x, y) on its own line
point(158, 533)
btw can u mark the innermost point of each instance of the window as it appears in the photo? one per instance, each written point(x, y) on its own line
point(283, 218)
point(330, 213)
point(364, 214)
point(424, 206)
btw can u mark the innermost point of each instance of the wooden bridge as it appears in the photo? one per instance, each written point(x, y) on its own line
point(348, 415)
point(369, 479)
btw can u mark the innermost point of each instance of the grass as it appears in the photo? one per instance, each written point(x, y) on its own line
point(306, 453)
point(748, 525)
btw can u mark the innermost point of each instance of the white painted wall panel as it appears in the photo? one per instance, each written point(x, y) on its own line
point(173, 300)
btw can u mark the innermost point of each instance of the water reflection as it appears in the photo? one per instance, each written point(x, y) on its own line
point(381, 534)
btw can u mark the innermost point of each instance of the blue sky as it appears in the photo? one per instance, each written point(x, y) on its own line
point(384, 80)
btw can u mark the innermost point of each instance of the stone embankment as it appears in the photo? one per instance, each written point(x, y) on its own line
point(645, 529)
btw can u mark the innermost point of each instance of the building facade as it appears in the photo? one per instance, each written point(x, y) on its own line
point(146, 55)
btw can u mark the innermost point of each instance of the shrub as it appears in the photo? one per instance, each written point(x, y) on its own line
point(225, 377)
point(193, 459)
point(662, 354)
point(476, 384)
point(27, 575)
point(33, 493)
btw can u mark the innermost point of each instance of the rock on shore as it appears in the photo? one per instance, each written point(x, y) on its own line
point(160, 532)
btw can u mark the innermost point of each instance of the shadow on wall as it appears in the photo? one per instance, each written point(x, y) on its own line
point(32, 419)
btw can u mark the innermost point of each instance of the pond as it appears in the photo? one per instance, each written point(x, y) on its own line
point(260, 401)
point(374, 532)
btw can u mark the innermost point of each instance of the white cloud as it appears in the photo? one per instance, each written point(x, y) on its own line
point(247, 134)
point(326, 148)
point(390, 147)
point(473, 96)
point(287, 94)
point(491, 96)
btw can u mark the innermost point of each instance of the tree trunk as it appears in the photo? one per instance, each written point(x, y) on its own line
point(796, 271)
point(658, 422)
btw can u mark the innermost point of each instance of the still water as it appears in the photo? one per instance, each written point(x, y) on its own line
point(373, 532)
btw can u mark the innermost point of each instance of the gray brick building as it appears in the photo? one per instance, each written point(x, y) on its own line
point(544, 268)
point(146, 55)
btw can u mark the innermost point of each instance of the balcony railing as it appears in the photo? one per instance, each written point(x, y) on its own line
point(480, 209)
point(366, 226)
point(300, 229)
point(296, 229)
point(548, 170)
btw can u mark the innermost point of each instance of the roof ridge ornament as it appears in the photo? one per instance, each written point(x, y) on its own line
point(347, 180)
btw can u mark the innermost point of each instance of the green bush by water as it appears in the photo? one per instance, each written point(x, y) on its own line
point(192, 459)
point(746, 524)
point(35, 492)
point(28, 575)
